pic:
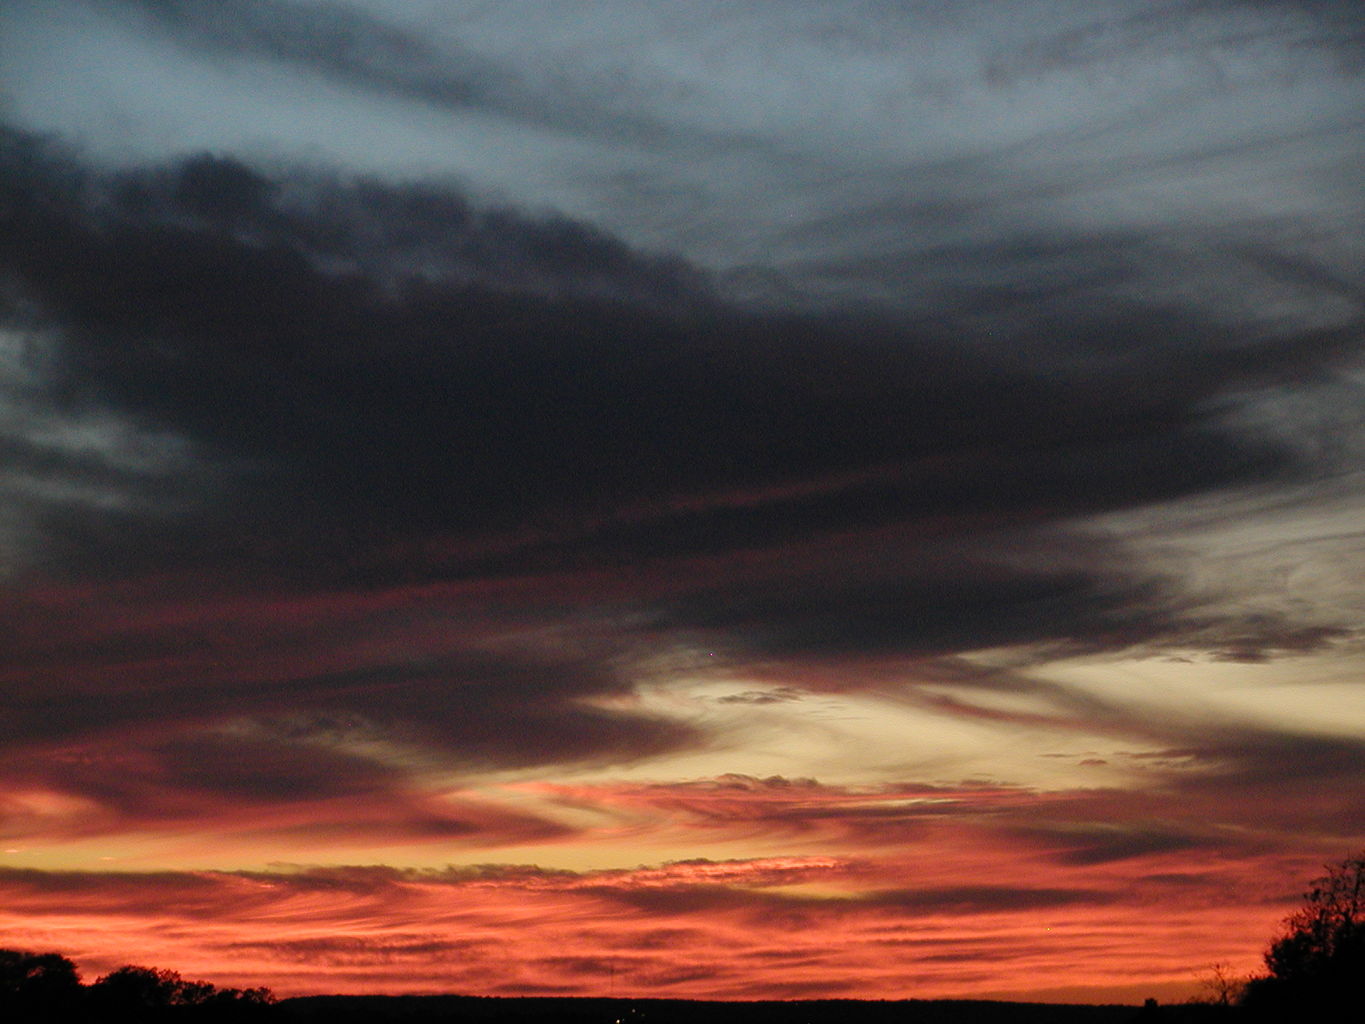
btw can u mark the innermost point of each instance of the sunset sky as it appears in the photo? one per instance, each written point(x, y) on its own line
point(762, 499)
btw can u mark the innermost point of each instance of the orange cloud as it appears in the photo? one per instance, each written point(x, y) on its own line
point(768, 928)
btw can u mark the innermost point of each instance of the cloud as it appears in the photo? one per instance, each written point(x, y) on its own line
point(857, 147)
point(400, 405)
point(779, 695)
point(1250, 794)
point(252, 794)
point(856, 818)
point(305, 382)
point(1106, 843)
point(495, 933)
point(371, 376)
point(343, 42)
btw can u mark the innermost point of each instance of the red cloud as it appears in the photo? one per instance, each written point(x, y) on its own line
point(788, 927)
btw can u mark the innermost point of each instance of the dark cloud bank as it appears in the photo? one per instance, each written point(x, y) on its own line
point(285, 380)
point(287, 441)
point(358, 362)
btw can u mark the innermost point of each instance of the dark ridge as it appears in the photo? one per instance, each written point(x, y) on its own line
point(563, 1010)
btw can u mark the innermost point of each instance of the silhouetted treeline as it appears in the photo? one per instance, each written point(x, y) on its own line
point(46, 987)
point(567, 1010)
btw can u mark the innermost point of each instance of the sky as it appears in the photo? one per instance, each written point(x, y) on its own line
point(858, 498)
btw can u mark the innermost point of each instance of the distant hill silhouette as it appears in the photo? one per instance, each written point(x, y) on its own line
point(486, 1010)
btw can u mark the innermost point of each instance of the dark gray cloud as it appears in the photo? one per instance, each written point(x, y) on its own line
point(388, 381)
point(1081, 844)
point(343, 951)
point(182, 891)
point(357, 384)
point(315, 374)
point(798, 908)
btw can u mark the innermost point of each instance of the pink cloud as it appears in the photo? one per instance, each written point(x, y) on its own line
point(788, 927)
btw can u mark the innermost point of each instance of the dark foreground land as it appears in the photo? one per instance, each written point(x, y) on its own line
point(477, 1010)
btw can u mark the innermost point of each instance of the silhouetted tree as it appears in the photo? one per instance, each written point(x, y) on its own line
point(46, 988)
point(34, 985)
point(1319, 959)
point(149, 991)
point(1223, 987)
point(132, 988)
